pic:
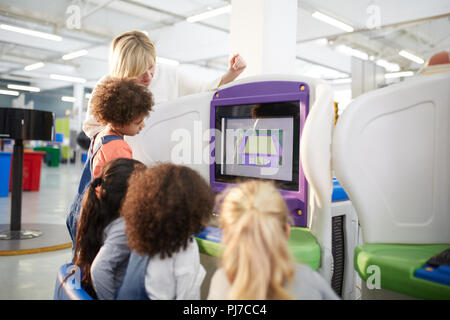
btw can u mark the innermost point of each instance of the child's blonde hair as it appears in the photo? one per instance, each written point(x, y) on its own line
point(131, 54)
point(256, 258)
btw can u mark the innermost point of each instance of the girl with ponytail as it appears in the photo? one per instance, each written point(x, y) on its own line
point(256, 263)
point(100, 251)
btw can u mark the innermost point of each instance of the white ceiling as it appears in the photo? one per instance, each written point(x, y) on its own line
point(422, 27)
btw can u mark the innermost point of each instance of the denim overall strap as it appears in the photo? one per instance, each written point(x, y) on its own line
point(86, 176)
point(103, 140)
point(133, 284)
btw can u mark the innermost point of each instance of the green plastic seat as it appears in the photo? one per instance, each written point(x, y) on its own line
point(302, 245)
point(397, 263)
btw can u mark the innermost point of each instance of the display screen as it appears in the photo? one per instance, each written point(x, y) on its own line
point(258, 141)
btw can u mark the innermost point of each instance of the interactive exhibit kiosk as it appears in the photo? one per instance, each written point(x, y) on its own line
point(255, 128)
point(391, 152)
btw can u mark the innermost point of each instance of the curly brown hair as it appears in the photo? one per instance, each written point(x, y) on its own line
point(164, 207)
point(120, 101)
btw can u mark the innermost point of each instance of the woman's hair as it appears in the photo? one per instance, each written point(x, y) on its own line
point(100, 206)
point(256, 259)
point(131, 54)
point(120, 101)
point(164, 207)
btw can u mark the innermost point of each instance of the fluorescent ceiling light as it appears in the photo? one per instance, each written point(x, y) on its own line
point(68, 99)
point(67, 78)
point(25, 88)
point(34, 66)
point(411, 57)
point(353, 52)
point(389, 66)
point(209, 14)
point(171, 62)
point(29, 32)
point(75, 54)
point(336, 23)
point(398, 74)
point(9, 92)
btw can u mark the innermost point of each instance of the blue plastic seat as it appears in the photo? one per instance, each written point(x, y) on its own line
point(70, 289)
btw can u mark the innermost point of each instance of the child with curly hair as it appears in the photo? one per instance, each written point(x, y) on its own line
point(121, 105)
point(256, 262)
point(101, 250)
point(160, 224)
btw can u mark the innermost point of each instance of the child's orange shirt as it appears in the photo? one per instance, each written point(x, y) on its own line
point(109, 151)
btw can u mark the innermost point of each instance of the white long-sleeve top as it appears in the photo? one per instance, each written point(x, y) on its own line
point(176, 278)
point(168, 83)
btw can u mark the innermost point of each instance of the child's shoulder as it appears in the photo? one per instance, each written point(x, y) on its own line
point(117, 148)
point(113, 146)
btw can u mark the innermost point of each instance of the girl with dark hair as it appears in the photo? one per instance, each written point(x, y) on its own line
point(160, 224)
point(101, 250)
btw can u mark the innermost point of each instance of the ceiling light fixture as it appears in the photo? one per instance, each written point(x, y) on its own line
point(67, 78)
point(29, 32)
point(75, 54)
point(412, 57)
point(9, 92)
point(171, 62)
point(68, 99)
point(398, 74)
point(209, 14)
point(389, 66)
point(332, 21)
point(34, 66)
point(25, 88)
point(353, 52)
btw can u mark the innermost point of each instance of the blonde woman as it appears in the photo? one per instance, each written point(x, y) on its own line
point(256, 263)
point(133, 55)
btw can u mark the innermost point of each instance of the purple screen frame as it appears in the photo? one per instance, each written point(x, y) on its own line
point(267, 92)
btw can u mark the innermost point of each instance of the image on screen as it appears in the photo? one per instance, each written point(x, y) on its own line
point(259, 148)
point(262, 148)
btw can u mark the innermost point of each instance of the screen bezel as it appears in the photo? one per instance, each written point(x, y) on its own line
point(259, 92)
point(277, 109)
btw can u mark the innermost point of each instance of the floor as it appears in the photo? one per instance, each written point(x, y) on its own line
point(32, 276)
